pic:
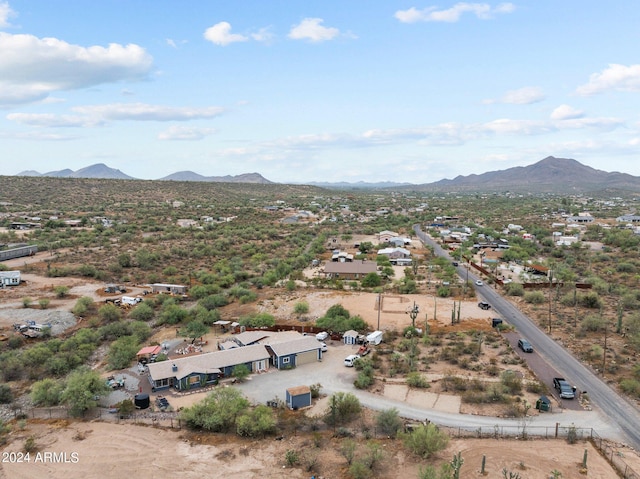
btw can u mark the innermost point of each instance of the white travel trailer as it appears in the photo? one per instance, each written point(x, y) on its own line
point(375, 337)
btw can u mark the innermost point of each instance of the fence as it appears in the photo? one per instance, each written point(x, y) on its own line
point(168, 420)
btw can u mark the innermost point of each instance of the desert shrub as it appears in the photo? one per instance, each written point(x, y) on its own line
point(82, 306)
point(142, 312)
point(301, 307)
point(534, 297)
point(259, 422)
point(291, 457)
point(315, 390)
point(534, 387)
point(515, 289)
point(257, 320)
point(61, 291)
point(425, 441)
point(343, 407)
point(389, 422)
point(631, 387)
point(417, 380)
point(593, 323)
point(217, 412)
point(47, 392)
point(6, 394)
point(363, 381)
point(110, 313)
point(511, 382)
point(590, 300)
point(122, 352)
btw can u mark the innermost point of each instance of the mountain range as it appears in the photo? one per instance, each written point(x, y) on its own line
point(553, 175)
point(100, 170)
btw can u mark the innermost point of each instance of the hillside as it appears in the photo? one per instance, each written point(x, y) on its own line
point(550, 175)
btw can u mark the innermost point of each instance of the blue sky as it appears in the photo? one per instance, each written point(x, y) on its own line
point(301, 91)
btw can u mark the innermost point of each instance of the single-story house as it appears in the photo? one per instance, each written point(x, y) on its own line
point(386, 235)
point(350, 337)
point(356, 269)
point(146, 352)
point(395, 253)
point(628, 219)
point(9, 278)
point(168, 288)
point(298, 397)
point(296, 352)
point(401, 261)
point(204, 369)
point(581, 219)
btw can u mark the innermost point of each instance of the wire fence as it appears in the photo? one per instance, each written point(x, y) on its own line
point(171, 420)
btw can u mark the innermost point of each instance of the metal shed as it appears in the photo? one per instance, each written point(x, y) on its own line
point(298, 397)
point(350, 337)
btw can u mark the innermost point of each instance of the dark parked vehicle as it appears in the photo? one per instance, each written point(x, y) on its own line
point(484, 305)
point(564, 388)
point(525, 345)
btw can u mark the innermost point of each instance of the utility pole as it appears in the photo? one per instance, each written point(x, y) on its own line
point(379, 308)
point(550, 294)
point(604, 353)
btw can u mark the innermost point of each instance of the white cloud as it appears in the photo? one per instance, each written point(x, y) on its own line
point(312, 30)
point(483, 11)
point(524, 96)
point(521, 96)
point(220, 34)
point(566, 112)
point(5, 14)
point(517, 127)
point(616, 77)
point(31, 67)
point(264, 35)
point(146, 112)
point(50, 120)
point(185, 133)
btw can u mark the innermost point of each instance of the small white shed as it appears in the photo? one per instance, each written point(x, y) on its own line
point(350, 337)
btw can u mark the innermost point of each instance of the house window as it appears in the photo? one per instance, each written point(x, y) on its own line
point(285, 360)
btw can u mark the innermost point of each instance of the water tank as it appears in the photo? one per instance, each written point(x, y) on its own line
point(141, 401)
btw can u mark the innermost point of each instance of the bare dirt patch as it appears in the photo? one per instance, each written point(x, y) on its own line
point(97, 449)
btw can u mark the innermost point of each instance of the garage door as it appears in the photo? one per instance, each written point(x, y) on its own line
point(306, 358)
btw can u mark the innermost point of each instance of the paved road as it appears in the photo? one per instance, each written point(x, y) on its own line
point(620, 413)
point(335, 377)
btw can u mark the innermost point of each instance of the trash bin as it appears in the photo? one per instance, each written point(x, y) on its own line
point(543, 404)
point(495, 322)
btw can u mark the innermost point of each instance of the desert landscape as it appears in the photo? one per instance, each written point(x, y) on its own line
point(105, 449)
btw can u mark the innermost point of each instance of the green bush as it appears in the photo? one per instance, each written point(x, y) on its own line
point(417, 380)
point(389, 422)
point(425, 441)
point(534, 297)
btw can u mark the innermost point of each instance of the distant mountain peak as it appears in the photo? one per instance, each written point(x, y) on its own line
point(256, 178)
point(102, 171)
point(551, 174)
